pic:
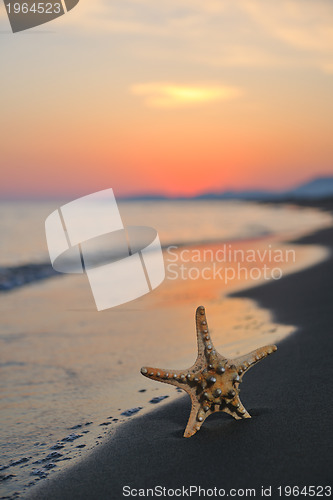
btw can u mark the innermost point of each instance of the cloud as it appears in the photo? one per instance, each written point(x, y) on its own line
point(303, 26)
point(216, 33)
point(211, 33)
point(171, 95)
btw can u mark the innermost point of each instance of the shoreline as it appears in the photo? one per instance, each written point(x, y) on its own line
point(16, 277)
point(285, 443)
point(13, 277)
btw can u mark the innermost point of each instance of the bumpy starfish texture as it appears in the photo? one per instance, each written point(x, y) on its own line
point(213, 381)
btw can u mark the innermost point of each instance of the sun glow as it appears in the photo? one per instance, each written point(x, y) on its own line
point(168, 95)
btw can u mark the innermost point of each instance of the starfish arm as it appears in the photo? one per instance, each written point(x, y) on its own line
point(236, 409)
point(173, 377)
point(193, 424)
point(203, 336)
point(244, 363)
point(232, 413)
point(242, 411)
point(206, 350)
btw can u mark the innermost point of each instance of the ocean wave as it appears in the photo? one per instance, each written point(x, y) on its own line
point(17, 276)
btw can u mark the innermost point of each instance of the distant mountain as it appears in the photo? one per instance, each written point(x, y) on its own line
point(145, 197)
point(321, 187)
point(238, 195)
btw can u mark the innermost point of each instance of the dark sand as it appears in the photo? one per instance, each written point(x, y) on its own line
point(287, 442)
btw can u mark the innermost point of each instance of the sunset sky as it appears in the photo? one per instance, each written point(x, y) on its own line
point(174, 96)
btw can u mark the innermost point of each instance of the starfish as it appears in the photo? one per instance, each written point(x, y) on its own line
point(213, 381)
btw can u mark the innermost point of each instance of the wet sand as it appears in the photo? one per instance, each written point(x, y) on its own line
point(286, 443)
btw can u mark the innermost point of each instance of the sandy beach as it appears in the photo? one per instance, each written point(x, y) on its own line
point(286, 443)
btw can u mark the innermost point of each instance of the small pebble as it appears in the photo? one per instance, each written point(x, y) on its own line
point(5, 477)
point(18, 462)
point(71, 437)
point(131, 411)
point(39, 472)
point(157, 399)
point(57, 446)
point(51, 456)
point(49, 466)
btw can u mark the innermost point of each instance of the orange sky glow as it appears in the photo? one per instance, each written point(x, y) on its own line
point(178, 98)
